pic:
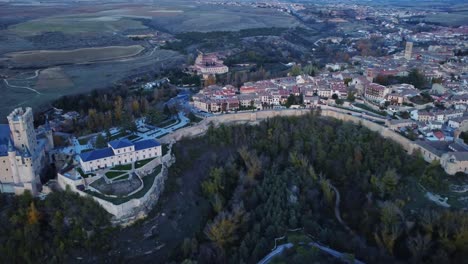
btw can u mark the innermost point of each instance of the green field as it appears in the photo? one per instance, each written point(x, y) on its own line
point(210, 18)
point(76, 24)
point(54, 57)
point(448, 19)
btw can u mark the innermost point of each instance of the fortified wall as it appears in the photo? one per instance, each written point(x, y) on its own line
point(136, 208)
point(337, 113)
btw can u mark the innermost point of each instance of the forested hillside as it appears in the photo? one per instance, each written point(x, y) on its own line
point(51, 230)
point(282, 174)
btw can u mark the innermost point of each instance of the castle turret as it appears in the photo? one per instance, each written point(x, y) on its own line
point(22, 129)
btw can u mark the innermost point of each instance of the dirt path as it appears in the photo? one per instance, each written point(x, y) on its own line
point(337, 209)
point(20, 87)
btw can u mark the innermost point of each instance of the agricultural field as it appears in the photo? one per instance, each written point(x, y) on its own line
point(76, 24)
point(26, 89)
point(53, 49)
point(448, 19)
point(57, 57)
point(204, 18)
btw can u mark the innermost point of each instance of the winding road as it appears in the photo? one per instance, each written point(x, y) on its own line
point(325, 249)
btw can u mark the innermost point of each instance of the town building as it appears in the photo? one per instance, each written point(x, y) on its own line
point(22, 153)
point(376, 92)
point(119, 152)
point(209, 64)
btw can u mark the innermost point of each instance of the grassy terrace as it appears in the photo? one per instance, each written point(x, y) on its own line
point(124, 167)
point(142, 163)
point(147, 183)
point(123, 177)
point(132, 137)
point(169, 122)
point(121, 134)
point(114, 174)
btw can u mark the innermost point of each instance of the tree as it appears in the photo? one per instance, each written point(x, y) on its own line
point(33, 214)
point(390, 181)
point(327, 191)
point(223, 230)
point(118, 108)
point(417, 79)
point(214, 184)
point(252, 162)
point(291, 100)
point(210, 80)
point(387, 237)
point(419, 246)
point(295, 70)
point(100, 141)
point(92, 119)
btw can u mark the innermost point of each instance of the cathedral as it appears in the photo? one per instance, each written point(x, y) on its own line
point(22, 153)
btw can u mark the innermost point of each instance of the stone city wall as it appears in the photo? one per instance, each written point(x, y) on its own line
point(326, 111)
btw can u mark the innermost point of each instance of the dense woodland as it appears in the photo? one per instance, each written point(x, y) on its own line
point(50, 230)
point(264, 180)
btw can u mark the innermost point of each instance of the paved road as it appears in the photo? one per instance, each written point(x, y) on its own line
point(325, 249)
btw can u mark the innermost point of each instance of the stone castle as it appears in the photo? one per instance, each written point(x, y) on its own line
point(22, 153)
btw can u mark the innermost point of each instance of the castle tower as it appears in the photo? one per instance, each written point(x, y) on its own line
point(13, 165)
point(408, 50)
point(29, 179)
point(22, 129)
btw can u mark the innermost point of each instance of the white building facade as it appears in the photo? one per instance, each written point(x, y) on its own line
point(119, 152)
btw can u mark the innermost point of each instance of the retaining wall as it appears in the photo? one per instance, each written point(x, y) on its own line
point(136, 208)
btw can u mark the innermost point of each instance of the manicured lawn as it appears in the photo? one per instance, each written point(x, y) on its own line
point(142, 163)
point(168, 122)
point(123, 177)
point(121, 134)
point(86, 150)
point(114, 174)
point(132, 137)
point(124, 167)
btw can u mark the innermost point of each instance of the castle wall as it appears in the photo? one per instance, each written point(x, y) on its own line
point(6, 175)
point(408, 145)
